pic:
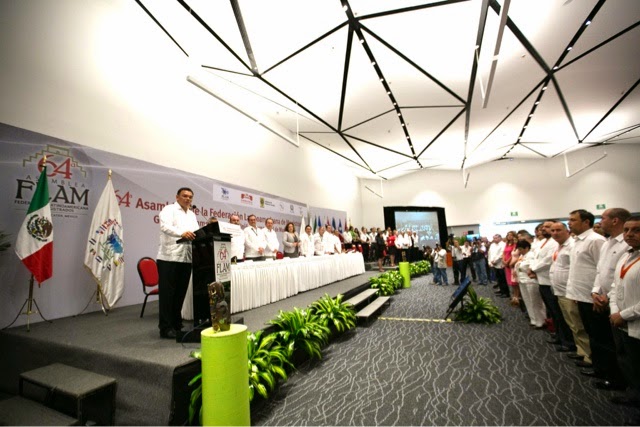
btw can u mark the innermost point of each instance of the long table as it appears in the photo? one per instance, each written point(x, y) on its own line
point(254, 284)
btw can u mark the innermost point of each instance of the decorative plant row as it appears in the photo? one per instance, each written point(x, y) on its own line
point(477, 309)
point(419, 268)
point(271, 357)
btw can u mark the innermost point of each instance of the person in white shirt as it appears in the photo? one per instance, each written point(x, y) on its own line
point(603, 348)
point(348, 238)
point(582, 270)
point(540, 267)
point(529, 288)
point(458, 258)
point(624, 300)
point(254, 241)
point(440, 266)
point(177, 221)
point(337, 244)
point(496, 250)
point(273, 245)
point(306, 242)
point(237, 240)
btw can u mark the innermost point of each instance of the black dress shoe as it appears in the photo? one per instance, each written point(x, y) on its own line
point(168, 333)
point(583, 364)
point(590, 373)
point(562, 349)
point(575, 356)
point(608, 385)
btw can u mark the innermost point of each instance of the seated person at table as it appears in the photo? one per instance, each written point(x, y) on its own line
point(322, 241)
point(237, 240)
point(271, 238)
point(254, 241)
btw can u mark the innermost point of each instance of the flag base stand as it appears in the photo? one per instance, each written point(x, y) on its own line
point(29, 302)
point(100, 299)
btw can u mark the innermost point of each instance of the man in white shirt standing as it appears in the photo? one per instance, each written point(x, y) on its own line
point(603, 348)
point(237, 240)
point(624, 300)
point(582, 270)
point(273, 244)
point(254, 241)
point(540, 266)
point(570, 330)
point(306, 242)
point(440, 267)
point(496, 250)
point(177, 221)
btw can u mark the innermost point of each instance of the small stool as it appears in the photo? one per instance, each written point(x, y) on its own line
point(18, 411)
point(92, 393)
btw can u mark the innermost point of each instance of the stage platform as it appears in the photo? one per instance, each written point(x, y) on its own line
point(151, 373)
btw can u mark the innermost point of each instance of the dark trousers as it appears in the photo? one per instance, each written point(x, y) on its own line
point(173, 283)
point(603, 347)
point(628, 354)
point(502, 281)
point(459, 271)
point(563, 333)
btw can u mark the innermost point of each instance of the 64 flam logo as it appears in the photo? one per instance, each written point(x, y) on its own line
point(39, 227)
point(106, 245)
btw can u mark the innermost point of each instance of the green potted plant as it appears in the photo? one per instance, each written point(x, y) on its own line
point(267, 363)
point(477, 309)
point(382, 284)
point(301, 330)
point(338, 316)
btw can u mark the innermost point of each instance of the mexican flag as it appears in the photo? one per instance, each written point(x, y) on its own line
point(35, 238)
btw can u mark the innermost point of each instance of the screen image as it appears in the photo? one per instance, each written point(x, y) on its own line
point(425, 223)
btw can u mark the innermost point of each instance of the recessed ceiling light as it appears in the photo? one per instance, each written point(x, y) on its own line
point(388, 93)
point(569, 48)
point(345, 7)
point(536, 103)
point(587, 23)
point(373, 63)
point(544, 88)
point(395, 103)
point(381, 79)
point(530, 115)
point(403, 125)
point(555, 68)
point(399, 114)
point(361, 40)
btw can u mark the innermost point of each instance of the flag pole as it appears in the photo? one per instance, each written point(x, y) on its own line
point(29, 303)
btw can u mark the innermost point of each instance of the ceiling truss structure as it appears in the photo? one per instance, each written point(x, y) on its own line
point(416, 115)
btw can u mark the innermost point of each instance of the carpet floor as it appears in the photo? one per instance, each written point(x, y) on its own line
point(407, 369)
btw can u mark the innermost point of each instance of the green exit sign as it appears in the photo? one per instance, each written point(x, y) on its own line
point(601, 206)
point(514, 213)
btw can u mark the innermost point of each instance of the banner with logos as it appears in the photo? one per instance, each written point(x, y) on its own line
point(77, 176)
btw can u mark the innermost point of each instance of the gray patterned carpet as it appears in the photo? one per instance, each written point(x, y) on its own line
point(416, 372)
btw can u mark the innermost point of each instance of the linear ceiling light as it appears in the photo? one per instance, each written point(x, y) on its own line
point(504, 11)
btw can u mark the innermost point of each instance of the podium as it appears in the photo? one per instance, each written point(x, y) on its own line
point(211, 262)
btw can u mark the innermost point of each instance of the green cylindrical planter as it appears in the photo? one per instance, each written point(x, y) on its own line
point(225, 379)
point(403, 267)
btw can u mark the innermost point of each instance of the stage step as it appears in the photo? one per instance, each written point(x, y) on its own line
point(361, 297)
point(18, 411)
point(369, 310)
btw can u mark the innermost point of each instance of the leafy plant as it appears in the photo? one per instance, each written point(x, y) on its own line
point(477, 309)
point(420, 267)
point(334, 312)
point(301, 329)
point(195, 402)
point(382, 284)
point(267, 362)
point(394, 277)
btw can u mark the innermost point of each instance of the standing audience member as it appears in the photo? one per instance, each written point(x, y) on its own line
point(625, 315)
point(582, 271)
point(479, 262)
point(567, 330)
point(440, 269)
point(380, 248)
point(458, 259)
point(177, 221)
point(529, 288)
point(541, 266)
point(509, 274)
point(496, 250)
point(603, 348)
point(291, 241)
point(391, 246)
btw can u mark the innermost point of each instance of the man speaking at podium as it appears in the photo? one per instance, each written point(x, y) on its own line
point(177, 221)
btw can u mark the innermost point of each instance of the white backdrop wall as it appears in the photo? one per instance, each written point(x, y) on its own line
point(102, 74)
point(536, 189)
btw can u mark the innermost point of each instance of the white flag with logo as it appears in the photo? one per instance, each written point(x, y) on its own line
point(104, 257)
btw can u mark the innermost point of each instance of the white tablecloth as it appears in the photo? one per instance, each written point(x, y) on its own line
point(254, 284)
